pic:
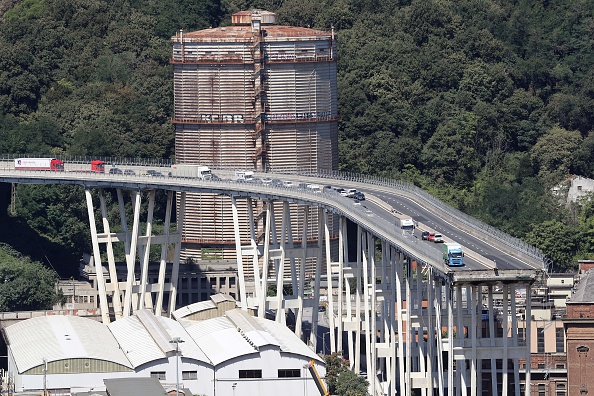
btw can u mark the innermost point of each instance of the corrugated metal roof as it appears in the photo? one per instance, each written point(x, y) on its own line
point(61, 337)
point(188, 349)
point(584, 292)
point(155, 330)
point(250, 327)
point(193, 308)
point(220, 297)
point(287, 340)
point(135, 341)
point(139, 344)
point(134, 386)
point(218, 339)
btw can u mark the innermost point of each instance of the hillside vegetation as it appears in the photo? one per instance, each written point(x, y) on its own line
point(487, 104)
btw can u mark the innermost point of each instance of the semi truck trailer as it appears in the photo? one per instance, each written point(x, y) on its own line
point(191, 171)
point(51, 164)
point(453, 255)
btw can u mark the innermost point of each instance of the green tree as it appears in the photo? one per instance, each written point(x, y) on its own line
point(335, 365)
point(24, 284)
point(341, 380)
point(350, 384)
point(553, 153)
point(558, 241)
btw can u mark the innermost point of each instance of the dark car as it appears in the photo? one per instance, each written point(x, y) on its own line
point(154, 173)
point(359, 195)
point(129, 172)
point(115, 171)
point(425, 235)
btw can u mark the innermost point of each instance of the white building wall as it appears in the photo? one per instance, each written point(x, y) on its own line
point(210, 380)
point(67, 381)
point(269, 360)
point(579, 187)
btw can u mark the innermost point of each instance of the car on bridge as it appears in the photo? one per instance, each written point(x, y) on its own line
point(437, 238)
point(154, 173)
point(431, 237)
point(425, 235)
point(129, 172)
point(116, 171)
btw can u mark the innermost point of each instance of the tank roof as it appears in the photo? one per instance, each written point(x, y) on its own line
point(246, 17)
point(244, 33)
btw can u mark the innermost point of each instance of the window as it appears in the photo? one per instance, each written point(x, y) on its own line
point(189, 375)
point(541, 365)
point(560, 366)
point(540, 341)
point(561, 390)
point(542, 390)
point(289, 373)
point(160, 375)
point(213, 282)
point(521, 336)
point(184, 283)
point(250, 373)
point(222, 281)
point(559, 339)
point(232, 281)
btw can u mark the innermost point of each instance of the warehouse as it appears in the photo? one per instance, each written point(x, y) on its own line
point(67, 354)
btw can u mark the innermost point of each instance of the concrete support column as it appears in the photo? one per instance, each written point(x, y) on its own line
point(178, 241)
point(97, 259)
point(240, 273)
point(146, 250)
point(116, 299)
point(330, 288)
point(504, 367)
point(131, 259)
point(163, 259)
point(528, 322)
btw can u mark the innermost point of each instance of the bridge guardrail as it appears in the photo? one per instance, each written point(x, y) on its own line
point(328, 199)
point(408, 188)
point(477, 225)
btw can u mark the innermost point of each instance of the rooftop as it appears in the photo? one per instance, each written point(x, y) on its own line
point(584, 291)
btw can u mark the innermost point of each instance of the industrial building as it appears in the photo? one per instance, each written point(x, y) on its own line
point(579, 330)
point(213, 356)
point(251, 96)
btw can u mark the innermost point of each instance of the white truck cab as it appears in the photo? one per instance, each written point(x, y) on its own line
point(244, 175)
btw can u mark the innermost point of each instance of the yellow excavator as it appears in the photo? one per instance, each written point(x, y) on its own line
point(317, 379)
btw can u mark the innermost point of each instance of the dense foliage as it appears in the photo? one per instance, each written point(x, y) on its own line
point(341, 380)
point(487, 104)
point(24, 284)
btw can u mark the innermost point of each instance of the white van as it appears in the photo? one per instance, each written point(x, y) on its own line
point(351, 192)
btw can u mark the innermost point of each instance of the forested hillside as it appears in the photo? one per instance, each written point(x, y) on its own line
point(485, 103)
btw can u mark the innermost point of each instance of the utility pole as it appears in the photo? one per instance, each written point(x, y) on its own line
point(44, 377)
point(176, 341)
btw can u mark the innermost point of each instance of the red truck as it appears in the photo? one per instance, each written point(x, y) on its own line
point(53, 164)
point(97, 166)
point(49, 164)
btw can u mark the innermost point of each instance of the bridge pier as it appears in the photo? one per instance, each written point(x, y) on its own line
point(410, 324)
point(136, 292)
